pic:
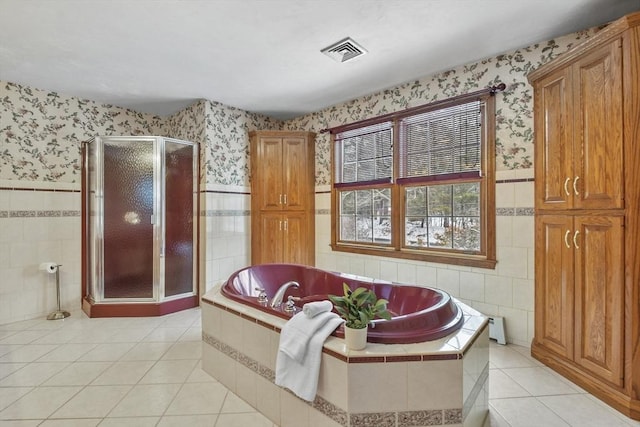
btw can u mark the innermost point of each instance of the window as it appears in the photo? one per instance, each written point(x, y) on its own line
point(418, 184)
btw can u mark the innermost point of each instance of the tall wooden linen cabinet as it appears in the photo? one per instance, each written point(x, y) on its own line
point(282, 197)
point(587, 224)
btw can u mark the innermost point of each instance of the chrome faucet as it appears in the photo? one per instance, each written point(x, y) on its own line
point(276, 301)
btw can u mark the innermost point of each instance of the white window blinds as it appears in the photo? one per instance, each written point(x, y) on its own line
point(443, 143)
point(364, 155)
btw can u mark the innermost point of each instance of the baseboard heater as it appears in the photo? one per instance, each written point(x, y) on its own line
point(496, 329)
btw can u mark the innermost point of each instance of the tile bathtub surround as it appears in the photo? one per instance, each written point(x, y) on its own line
point(411, 376)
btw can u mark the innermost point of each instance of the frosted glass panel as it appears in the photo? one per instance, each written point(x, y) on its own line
point(179, 205)
point(128, 231)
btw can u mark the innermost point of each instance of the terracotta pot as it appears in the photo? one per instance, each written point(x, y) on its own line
point(356, 339)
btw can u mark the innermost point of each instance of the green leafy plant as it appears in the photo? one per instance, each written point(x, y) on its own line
point(359, 307)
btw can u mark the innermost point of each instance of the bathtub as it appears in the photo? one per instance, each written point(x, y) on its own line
point(418, 314)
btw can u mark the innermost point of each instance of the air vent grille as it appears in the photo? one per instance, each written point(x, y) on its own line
point(344, 50)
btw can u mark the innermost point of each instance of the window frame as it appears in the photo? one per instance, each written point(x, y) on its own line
point(486, 256)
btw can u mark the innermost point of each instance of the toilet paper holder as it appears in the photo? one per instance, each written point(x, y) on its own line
point(54, 268)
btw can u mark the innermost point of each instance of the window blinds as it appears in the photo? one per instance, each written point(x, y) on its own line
point(364, 155)
point(443, 143)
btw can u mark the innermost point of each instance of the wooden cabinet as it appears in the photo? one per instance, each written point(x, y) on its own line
point(587, 156)
point(580, 291)
point(282, 197)
point(578, 122)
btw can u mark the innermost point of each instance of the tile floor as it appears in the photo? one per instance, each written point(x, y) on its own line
point(146, 372)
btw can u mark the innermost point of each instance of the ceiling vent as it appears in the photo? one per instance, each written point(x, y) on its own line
point(344, 50)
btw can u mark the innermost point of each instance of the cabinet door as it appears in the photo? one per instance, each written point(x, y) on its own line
point(599, 246)
point(554, 290)
point(295, 246)
point(553, 123)
point(295, 171)
point(598, 168)
point(269, 179)
point(270, 245)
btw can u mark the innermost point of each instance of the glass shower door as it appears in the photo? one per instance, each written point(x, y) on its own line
point(128, 230)
point(179, 213)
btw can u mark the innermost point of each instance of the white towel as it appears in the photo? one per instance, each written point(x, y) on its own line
point(312, 309)
point(302, 377)
point(298, 331)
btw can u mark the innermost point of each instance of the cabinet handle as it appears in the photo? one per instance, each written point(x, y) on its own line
point(285, 224)
point(575, 237)
point(566, 239)
point(575, 188)
point(281, 225)
point(566, 186)
point(280, 198)
point(285, 199)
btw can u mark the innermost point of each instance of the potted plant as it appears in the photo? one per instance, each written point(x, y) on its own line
point(358, 308)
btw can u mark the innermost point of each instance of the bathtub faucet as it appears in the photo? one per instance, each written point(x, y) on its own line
point(277, 298)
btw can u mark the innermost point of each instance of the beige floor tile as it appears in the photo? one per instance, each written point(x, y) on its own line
point(39, 403)
point(165, 335)
point(80, 422)
point(198, 398)
point(146, 400)
point(503, 356)
point(124, 372)
point(169, 371)
point(188, 420)
point(527, 412)
point(33, 374)
point(93, 401)
point(253, 419)
point(199, 376)
point(78, 373)
point(129, 335)
point(147, 351)
point(27, 353)
point(233, 404)
point(22, 423)
point(580, 410)
point(67, 353)
point(184, 350)
point(130, 422)
point(192, 334)
point(10, 368)
point(8, 348)
point(539, 381)
point(501, 385)
point(23, 337)
point(107, 352)
point(8, 395)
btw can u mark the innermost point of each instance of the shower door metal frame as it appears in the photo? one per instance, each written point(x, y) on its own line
point(95, 225)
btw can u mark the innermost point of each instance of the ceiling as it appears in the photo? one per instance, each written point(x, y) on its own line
point(158, 56)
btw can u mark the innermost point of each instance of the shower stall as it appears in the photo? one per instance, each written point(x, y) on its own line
point(140, 226)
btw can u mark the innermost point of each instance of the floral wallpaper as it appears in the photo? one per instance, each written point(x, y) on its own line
point(41, 131)
point(514, 106)
point(227, 156)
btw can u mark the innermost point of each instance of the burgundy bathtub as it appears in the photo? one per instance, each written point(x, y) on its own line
point(419, 314)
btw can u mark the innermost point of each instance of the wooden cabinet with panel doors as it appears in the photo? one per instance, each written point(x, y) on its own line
point(587, 200)
point(282, 197)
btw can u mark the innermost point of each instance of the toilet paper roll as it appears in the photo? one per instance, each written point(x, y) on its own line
point(49, 267)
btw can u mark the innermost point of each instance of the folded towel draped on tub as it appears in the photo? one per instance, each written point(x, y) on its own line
point(300, 351)
point(312, 309)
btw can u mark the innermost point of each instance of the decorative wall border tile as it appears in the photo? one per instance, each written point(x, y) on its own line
point(39, 214)
point(453, 416)
point(420, 418)
point(223, 212)
point(378, 419)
